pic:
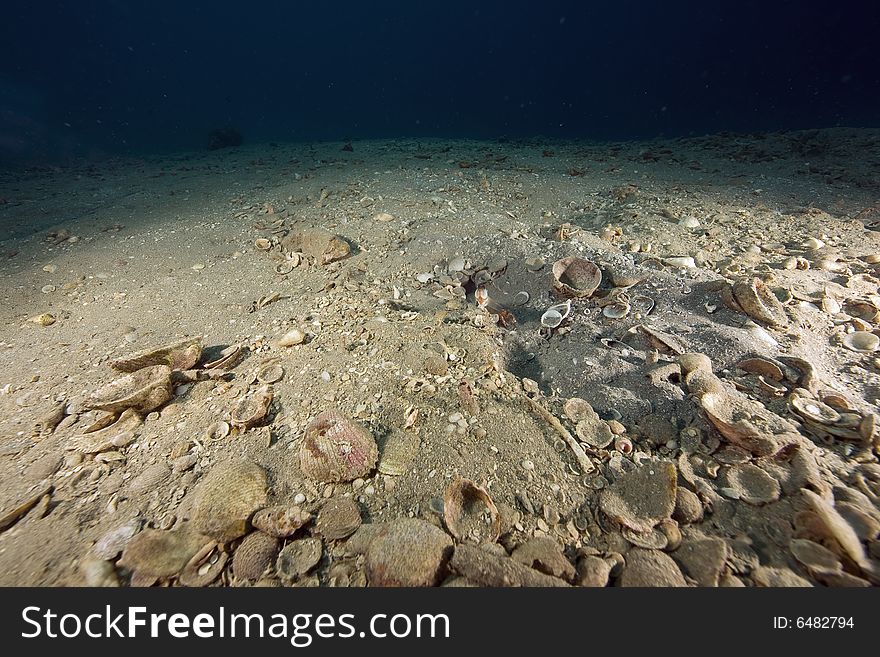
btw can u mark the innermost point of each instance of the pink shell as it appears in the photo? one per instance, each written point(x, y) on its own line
point(335, 449)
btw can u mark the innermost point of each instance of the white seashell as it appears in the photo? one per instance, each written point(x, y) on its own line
point(681, 262)
point(689, 222)
point(616, 310)
point(456, 264)
point(861, 341)
point(291, 338)
point(424, 277)
point(555, 315)
point(814, 244)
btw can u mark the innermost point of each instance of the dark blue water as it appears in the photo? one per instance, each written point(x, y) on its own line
point(95, 78)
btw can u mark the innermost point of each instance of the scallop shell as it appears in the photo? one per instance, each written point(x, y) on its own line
point(280, 521)
point(253, 409)
point(469, 512)
point(335, 449)
point(408, 552)
point(270, 373)
point(226, 358)
point(862, 342)
point(227, 497)
point(616, 310)
point(575, 277)
point(759, 303)
point(142, 391)
point(181, 355)
point(339, 518)
point(398, 453)
point(256, 553)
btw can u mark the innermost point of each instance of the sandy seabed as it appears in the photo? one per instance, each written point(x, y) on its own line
point(755, 464)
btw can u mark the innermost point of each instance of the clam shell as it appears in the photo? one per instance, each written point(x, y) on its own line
point(575, 277)
point(862, 342)
point(577, 409)
point(217, 431)
point(181, 355)
point(818, 560)
point(761, 367)
point(339, 518)
point(285, 267)
point(651, 540)
point(335, 449)
point(298, 558)
point(810, 409)
point(556, 314)
point(141, 391)
point(280, 521)
point(408, 552)
point(398, 453)
point(616, 310)
point(263, 244)
point(256, 553)
point(759, 302)
point(323, 246)
point(203, 569)
point(270, 373)
point(226, 358)
point(469, 512)
point(227, 497)
point(253, 409)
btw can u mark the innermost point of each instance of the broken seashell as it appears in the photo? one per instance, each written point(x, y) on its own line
point(45, 319)
point(862, 342)
point(118, 434)
point(408, 552)
point(280, 521)
point(761, 366)
point(283, 268)
point(181, 355)
point(204, 567)
point(759, 303)
point(810, 409)
point(555, 315)
point(253, 409)
point(643, 497)
point(263, 244)
point(157, 553)
point(752, 484)
point(680, 262)
point(575, 277)
point(469, 513)
point(323, 246)
point(298, 558)
point(142, 391)
point(335, 449)
point(747, 423)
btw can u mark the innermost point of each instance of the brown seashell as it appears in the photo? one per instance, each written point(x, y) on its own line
point(181, 355)
point(253, 409)
point(217, 431)
point(761, 367)
point(263, 244)
point(227, 497)
point(335, 449)
point(745, 423)
point(643, 497)
point(469, 513)
point(752, 484)
point(545, 555)
point(811, 409)
point(818, 560)
point(203, 569)
point(323, 246)
point(575, 277)
point(759, 303)
point(339, 518)
point(150, 479)
point(280, 521)
point(142, 391)
point(298, 558)
point(256, 553)
point(408, 552)
point(270, 373)
point(650, 568)
point(157, 553)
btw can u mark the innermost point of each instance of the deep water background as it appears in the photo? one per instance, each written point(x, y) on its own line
point(93, 78)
